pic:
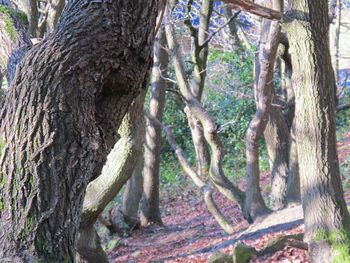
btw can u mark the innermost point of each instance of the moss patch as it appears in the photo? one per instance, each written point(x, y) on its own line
point(242, 253)
point(339, 242)
point(9, 15)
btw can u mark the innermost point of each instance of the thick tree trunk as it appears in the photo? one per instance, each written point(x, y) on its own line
point(115, 173)
point(327, 222)
point(60, 119)
point(150, 213)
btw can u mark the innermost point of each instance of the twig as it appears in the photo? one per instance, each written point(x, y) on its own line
point(221, 27)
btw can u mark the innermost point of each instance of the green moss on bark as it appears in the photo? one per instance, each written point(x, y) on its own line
point(339, 242)
point(9, 16)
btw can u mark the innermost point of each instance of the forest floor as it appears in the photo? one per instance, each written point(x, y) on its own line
point(190, 234)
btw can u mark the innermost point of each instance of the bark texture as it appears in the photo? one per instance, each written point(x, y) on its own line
point(150, 213)
point(60, 120)
point(327, 222)
point(115, 173)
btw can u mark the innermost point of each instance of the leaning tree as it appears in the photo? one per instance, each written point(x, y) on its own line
point(60, 119)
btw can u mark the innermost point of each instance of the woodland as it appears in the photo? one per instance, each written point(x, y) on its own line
point(174, 131)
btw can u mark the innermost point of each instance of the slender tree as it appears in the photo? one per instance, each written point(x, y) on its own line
point(60, 118)
point(254, 203)
point(150, 212)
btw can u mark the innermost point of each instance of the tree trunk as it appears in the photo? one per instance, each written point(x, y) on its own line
point(150, 213)
point(336, 41)
point(30, 8)
point(53, 11)
point(132, 195)
point(59, 122)
point(327, 222)
point(254, 203)
point(199, 59)
point(293, 180)
point(277, 143)
point(216, 173)
point(115, 173)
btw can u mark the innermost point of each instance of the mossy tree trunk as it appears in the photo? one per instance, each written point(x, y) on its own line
point(327, 221)
point(115, 173)
point(60, 119)
point(150, 212)
point(14, 40)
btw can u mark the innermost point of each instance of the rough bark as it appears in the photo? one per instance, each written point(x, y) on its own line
point(150, 212)
point(254, 203)
point(115, 173)
point(216, 172)
point(327, 222)
point(60, 119)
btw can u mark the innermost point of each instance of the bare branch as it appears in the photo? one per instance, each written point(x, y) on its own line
point(255, 9)
point(206, 42)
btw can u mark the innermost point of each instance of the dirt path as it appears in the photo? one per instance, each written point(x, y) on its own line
point(190, 233)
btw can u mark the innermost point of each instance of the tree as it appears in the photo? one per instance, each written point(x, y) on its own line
point(116, 172)
point(327, 222)
point(150, 213)
point(60, 119)
point(254, 203)
point(14, 38)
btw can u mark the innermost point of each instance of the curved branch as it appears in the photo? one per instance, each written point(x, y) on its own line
point(256, 9)
point(206, 190)
point(216, 173)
